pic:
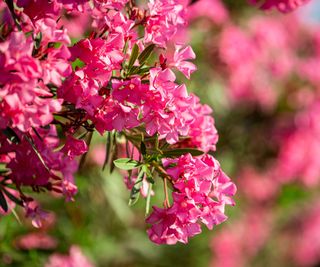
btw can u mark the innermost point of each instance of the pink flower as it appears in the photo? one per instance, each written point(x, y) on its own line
point(76, 258)
point(56, 66)
point(37, 9)
point(282, 5)
point(296, 160)
point(35, 213)
point(201, 192)
point(211, 9)
point(164, 20)
point(82, 90)
point(27, 167)
point(258, 187)
point(111, 4)
point(167, 106)
point(307, 238)
point(167, 229)
point(113, 115)
point(36, 240)
point(264, 49)
point(100, 56)
point(179, 61)
point(74, 147)
point(237, 243)
point(25, 101)
point(202, 131)
point(50, 32)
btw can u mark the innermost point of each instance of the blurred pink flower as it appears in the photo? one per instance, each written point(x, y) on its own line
point(306, 250)
point(297, 158)
point(259, 58)
point(36, 240)
point(76, 258)
point(258, 187)
point(241, 240)
point(281, 5)
point(211, 9)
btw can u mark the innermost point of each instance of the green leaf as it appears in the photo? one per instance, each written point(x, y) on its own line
point(78, 63)
point(4, 171)
point(12, 197)
point(3, 202)
point(133, 70)
point(148, 173)
point(11, 135)
point(126, 164)
point(145, 54)
point(114, 156)
point(135, 191)
point(148, 199)
point(134, 56)
point(143, 148)
point(38, 40)
point(111, 150)
point(181, 151)
point(3, 168)
point(291, 195)
point(143, 70)
point(108, 145)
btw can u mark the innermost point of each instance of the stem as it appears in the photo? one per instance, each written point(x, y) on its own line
point(13, 14)
point(29, 139)
point(157, 167)
point(84, 156)
point(161, 171)
point(166, 178)
point(166, 202)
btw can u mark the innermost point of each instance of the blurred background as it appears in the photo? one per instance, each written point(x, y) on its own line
point(260, 72)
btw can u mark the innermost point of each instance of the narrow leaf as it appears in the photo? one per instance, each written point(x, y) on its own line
point(114, 152)
point(143, 148)
point(133, 70)
point(145, 54)
point(181, 151)
point(3, 202)
point(11, 135)
point(134, 55)
point(37, 153)
point(135, 191)
point(3, 170)
point(16, 216)
point(142, 71)
point(126, 164)
point(12, 197)
point(148, 199)
point(108, 145)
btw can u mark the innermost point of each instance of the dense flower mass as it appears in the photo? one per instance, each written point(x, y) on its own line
point(25, 100)
point(119, 80)
point(92, 90)
point(121, 76)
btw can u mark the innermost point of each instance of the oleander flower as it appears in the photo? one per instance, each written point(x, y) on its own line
point(201, 191)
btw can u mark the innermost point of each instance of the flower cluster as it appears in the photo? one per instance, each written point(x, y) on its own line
point(201, 191)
